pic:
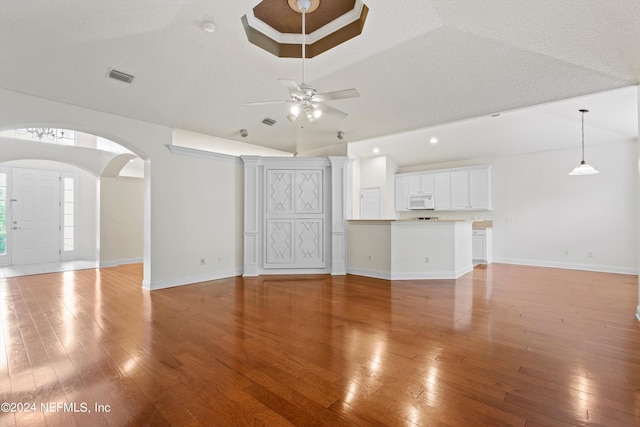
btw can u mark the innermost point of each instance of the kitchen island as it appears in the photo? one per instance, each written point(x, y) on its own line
point(409, 249)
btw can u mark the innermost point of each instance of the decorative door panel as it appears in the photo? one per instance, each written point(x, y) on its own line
point(309, 249)
point(308, 191)
point(279, 242)
point(279, 186)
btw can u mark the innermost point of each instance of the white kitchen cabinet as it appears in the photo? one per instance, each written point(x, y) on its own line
point(402, 193)
point(480, 189)
point(427, 183)
point(459, 189)
point(413, 184)
point(482, 245)
point(420, 183)
point(442, 191)
point(471, 189)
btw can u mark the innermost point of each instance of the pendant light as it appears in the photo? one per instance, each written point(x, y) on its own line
point(583, 168)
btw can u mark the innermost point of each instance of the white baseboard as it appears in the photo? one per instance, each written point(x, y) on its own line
point(279, 271)
point(114, 263)
point(638, 312)
point(190, 280)
point(567, 265)
point(384, 275)
point(422, 275)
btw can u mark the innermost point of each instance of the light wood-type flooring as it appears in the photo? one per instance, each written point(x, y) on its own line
point(503, 345)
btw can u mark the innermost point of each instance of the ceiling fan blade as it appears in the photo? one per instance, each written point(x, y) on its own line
point(267, 102)
point(330, 110)
point(339, 94)
point(292, 86)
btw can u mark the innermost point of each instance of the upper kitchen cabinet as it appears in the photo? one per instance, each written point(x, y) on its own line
point(471, 189)
point(402, 193)
point(442, 191)
point(480, 189)
point(420, 184)
point(412, 184)
point(459, 189)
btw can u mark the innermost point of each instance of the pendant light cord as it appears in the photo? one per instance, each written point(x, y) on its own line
point(583, 136)
point(304, 41)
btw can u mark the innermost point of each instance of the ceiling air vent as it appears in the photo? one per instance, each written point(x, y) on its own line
point(269, 122)
point(119, 75)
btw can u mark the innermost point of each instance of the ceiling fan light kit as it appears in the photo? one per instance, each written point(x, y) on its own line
point(583, 168)
point(308, 104)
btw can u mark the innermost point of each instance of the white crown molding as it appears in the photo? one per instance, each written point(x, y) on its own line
point(322, 32)
point(192, 152)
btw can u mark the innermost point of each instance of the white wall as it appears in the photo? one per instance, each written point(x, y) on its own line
point(121, 220)
point(203, 207)
point(192, 204)
point(539, 211)
point(377, 172)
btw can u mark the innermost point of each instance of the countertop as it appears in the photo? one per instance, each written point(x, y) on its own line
point(409, 220)
point(477, 224)
point(482, 224)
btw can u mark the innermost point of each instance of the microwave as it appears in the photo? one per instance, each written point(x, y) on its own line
point(421, 201)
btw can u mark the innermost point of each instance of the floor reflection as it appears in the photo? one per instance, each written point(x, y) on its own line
point(503, 345)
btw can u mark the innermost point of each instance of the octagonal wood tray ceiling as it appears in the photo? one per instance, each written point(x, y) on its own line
point(276, 26)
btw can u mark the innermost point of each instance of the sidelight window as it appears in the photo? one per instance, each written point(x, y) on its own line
point(3, 213)
point(68, 214)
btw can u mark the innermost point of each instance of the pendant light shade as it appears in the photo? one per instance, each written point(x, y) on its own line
point(583, 168)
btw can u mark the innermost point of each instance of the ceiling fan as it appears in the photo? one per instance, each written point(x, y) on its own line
point(307, 102)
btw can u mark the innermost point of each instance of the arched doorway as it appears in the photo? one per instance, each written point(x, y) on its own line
point(51, 211)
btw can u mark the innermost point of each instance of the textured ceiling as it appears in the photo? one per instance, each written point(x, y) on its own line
point(424, 64)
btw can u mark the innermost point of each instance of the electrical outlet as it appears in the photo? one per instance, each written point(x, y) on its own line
point(369, 257)
point(566, 252)
point(219, 259)
point(426, 260)
point(202, 261)
point(590, 254)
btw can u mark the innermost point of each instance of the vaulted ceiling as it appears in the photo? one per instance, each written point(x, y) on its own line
point(417, 63)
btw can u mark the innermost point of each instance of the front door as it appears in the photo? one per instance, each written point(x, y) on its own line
point(35, 222)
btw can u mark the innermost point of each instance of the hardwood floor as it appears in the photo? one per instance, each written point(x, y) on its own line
point(504, 345)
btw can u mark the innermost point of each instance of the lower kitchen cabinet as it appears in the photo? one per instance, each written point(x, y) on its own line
point(482, 245)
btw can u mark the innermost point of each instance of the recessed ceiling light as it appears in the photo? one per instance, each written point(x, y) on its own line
point(433, 140)
point(376, 150)
point(208, 26)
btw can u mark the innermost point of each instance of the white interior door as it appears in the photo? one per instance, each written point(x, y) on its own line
point(35, 206)
point(370, 203)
